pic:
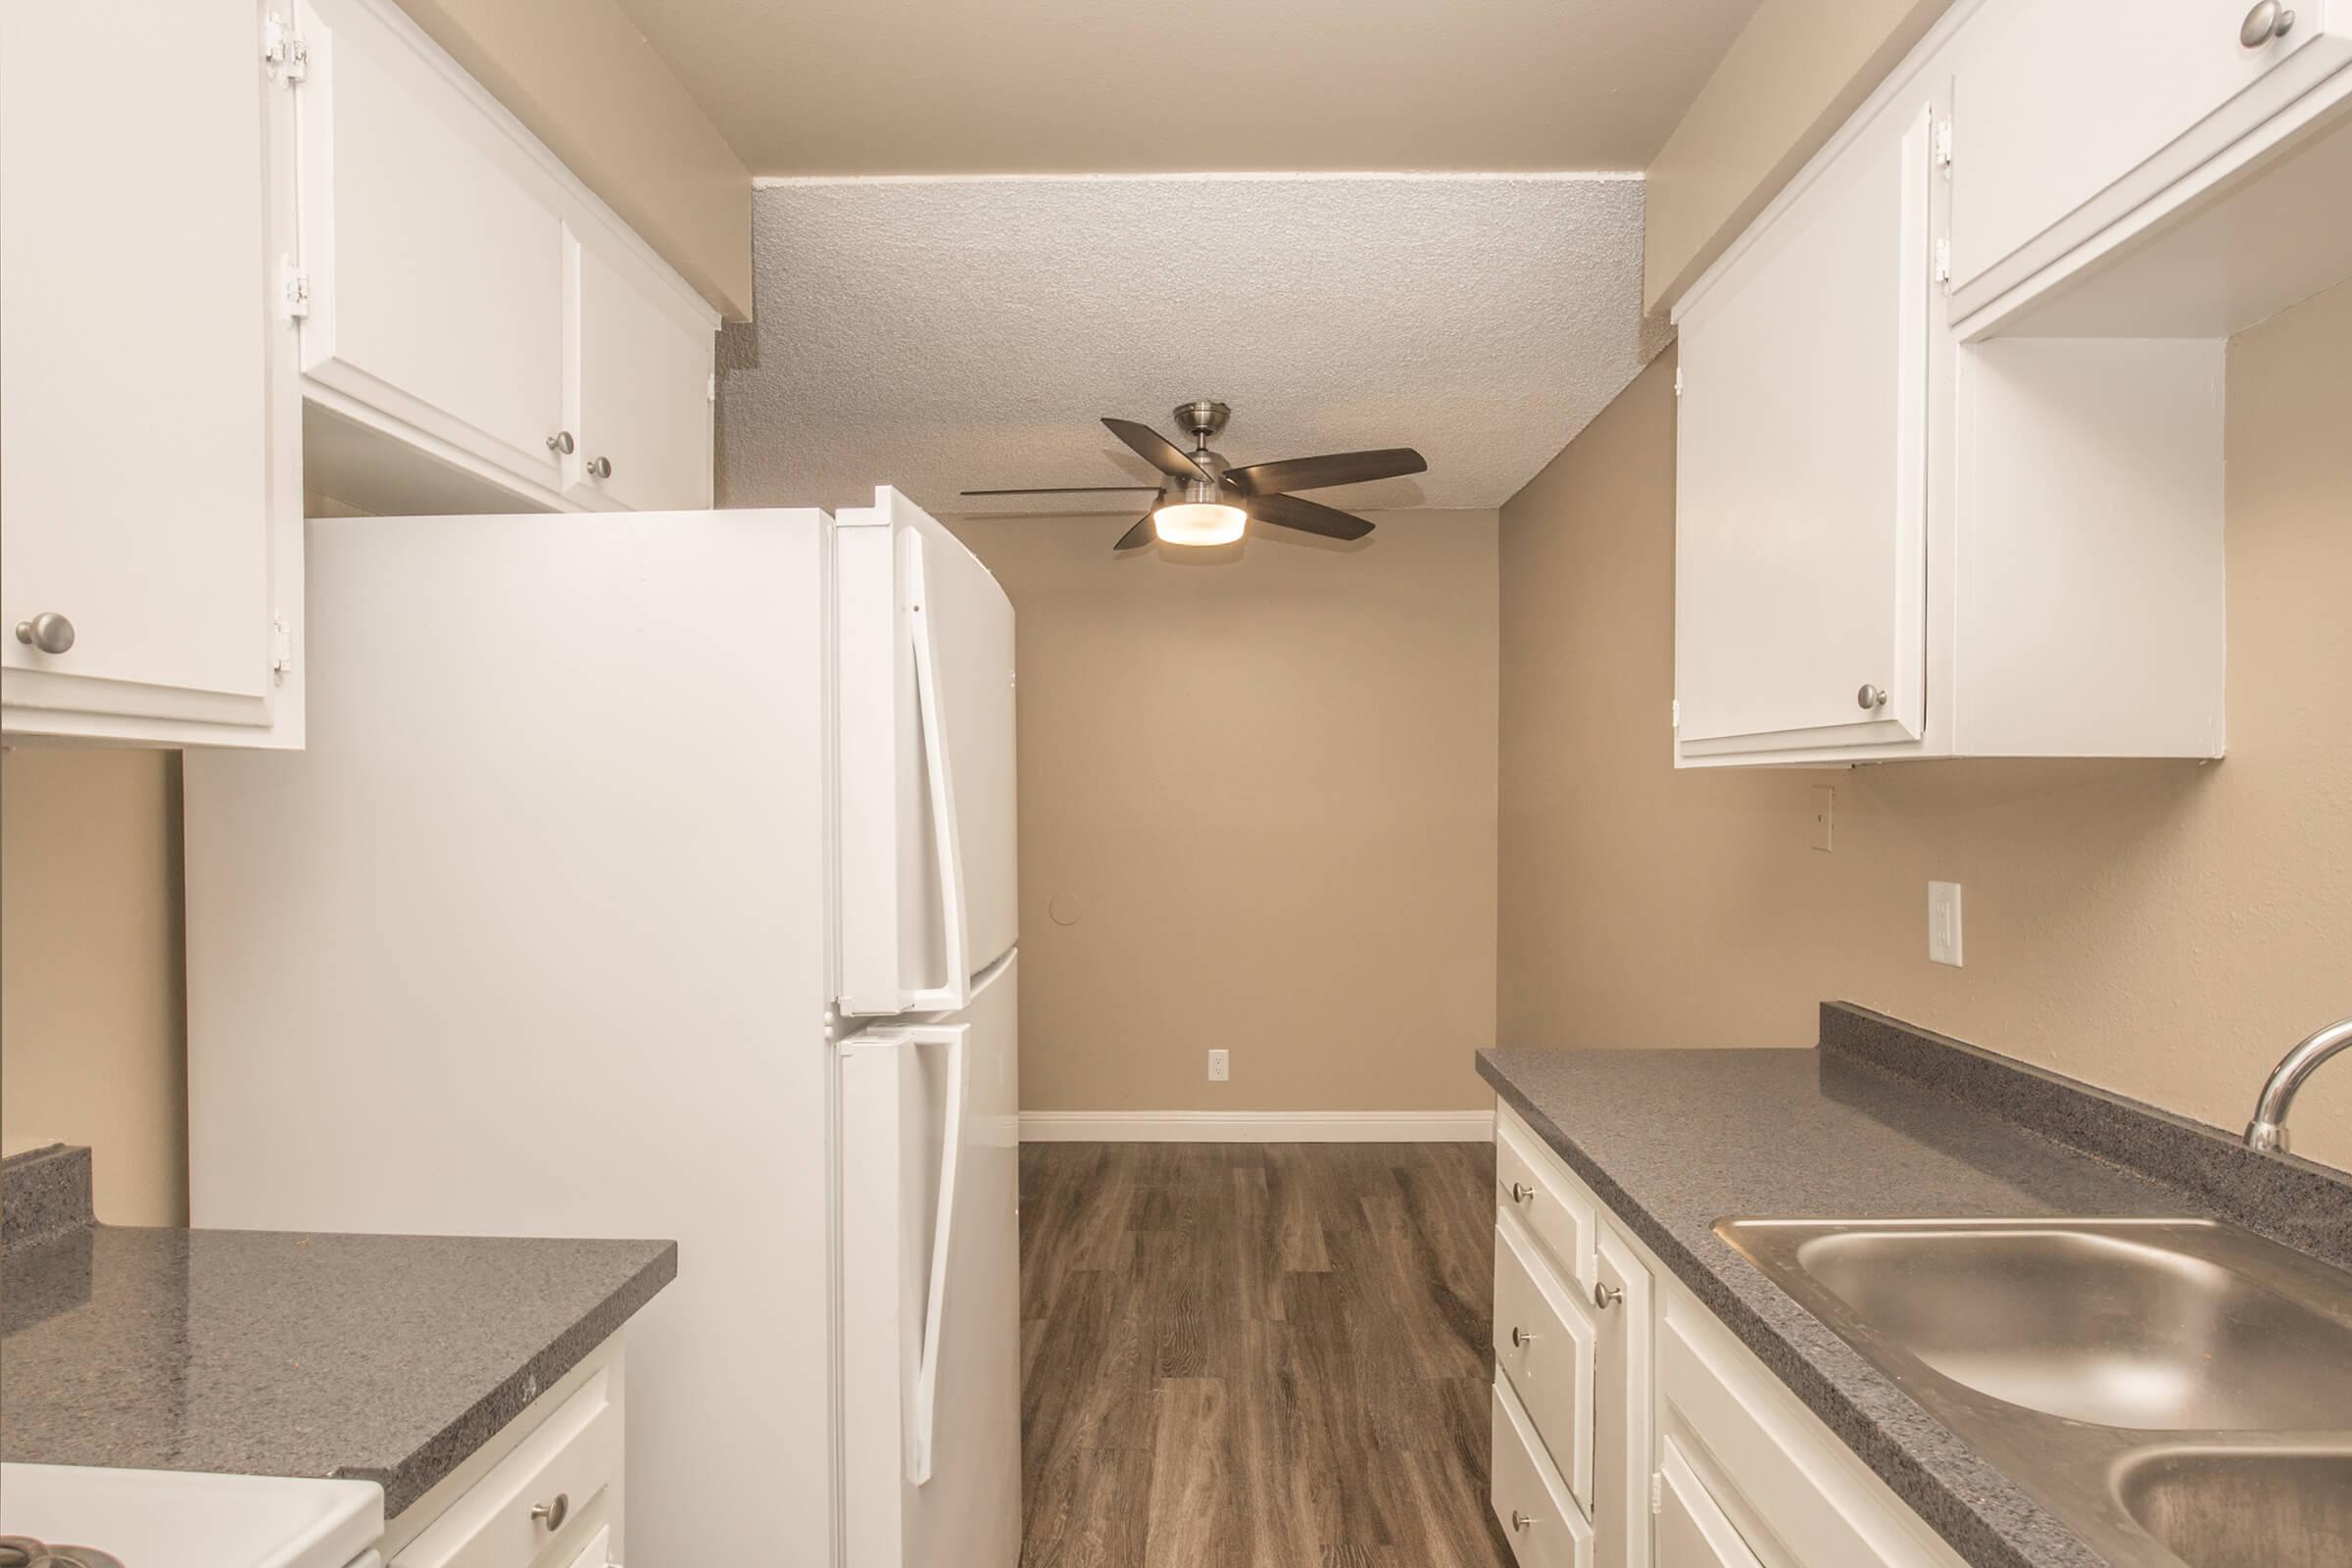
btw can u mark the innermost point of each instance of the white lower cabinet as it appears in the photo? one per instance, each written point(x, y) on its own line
point(1680, 1446)
point(544, 1492)
point(1692, 1532)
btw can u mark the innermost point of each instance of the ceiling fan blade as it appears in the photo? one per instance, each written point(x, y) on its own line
point(1333, 467)
point(1060, 490)
point(1156, 449)
point(1138, 536)
point(1307, 516)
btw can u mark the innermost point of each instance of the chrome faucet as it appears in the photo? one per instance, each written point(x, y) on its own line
point(2268, 1129)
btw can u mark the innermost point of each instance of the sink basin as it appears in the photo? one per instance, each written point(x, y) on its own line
point(2220, 1508)
point(2178, 1391)
point(2121, 1328)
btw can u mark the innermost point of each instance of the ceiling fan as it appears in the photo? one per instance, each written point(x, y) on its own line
point(1207, 501)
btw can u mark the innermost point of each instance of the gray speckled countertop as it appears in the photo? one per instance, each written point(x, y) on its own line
point(1674, 1140)
point(385, 1359)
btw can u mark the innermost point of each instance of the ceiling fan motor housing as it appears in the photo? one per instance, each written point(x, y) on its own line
point(1201, 419)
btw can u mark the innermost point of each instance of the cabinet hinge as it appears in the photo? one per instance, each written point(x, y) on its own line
point(1678, 713)
point(284, 56)
point(282, 646)
point(1944, 262)
point(1657, 1491)
point(711, 389)
point(1677, 380)
point(294, 288)
point(1943, 147)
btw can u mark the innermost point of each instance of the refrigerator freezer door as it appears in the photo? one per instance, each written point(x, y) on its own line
point(925, 749)
point(930, 1289)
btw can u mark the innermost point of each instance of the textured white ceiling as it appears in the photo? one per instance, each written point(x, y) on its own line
point(1086, 86)
point(941, 335)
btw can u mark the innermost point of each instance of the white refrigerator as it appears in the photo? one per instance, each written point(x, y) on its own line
point(652, 874)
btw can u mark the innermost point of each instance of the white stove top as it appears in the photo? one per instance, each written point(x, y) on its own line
point(188, 1519)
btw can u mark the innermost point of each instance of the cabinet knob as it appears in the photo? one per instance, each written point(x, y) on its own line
point(1870, 698)
point(561, 443)
point(49, 631)
point(2266, 20)
point(1605, 1296)
point(1521, 1193)
point(553, 1514)
point(600, 468)
point(1520, 1521)
point(1520, 1338)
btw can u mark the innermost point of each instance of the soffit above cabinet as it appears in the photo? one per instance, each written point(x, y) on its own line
point(934, 87)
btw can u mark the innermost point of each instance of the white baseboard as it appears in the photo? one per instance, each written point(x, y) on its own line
point(1257, 1126)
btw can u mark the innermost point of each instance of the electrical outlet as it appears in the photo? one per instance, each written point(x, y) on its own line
point(1217, 1072)
point(1825, 804)
point(1943, 923)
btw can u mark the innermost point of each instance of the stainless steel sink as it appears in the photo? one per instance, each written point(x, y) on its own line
point(2180, 1391)
point(2219, 1507)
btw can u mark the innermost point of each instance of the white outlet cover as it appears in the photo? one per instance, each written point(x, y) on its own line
point(1219, 1069)
point(1943, 923)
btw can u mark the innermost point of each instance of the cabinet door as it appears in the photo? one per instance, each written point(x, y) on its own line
point(136, 401)
point(1620, 1406)
point(2067, 112)
point(435, 265)
point(1692, 1532)
point(639, 394)
point(1801, 467)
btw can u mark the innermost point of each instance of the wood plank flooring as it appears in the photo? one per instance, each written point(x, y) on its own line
point(1247, 1354)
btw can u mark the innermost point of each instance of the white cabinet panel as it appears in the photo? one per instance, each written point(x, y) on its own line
point(1801, 465)
point(1531, 1182)
point(1538, 1518)
point(146, 469)
point(2085, 107)
point(1621, 1405)
point(435, 258)
point(638, 395)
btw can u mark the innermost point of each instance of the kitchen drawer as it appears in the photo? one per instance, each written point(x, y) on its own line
point(1531, 1182)
point(1544, 1345)
point(574, 1455)
point(1538, 1518)
point(1692, 1532)
point(597, 1554)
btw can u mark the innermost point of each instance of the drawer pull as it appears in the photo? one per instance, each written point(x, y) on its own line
point(2266, 20)
point(1607, 1295)
point(553, 1514)
point(1521, 1193)
point(1520, 1521)
point(1520, 1338)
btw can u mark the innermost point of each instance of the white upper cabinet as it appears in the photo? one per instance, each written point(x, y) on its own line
point(2079, 125)
point(1897, 538)
point(150, 549)
point(1801, 469)
point(471, 305)
point(435, 263)
point(639, 396)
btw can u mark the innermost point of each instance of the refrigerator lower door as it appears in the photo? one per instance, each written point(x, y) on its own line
point(925, 710)
point(930, 1287)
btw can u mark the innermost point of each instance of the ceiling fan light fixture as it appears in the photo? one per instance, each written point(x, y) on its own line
point(1199, 522)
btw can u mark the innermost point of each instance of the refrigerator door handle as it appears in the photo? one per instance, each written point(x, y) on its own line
point(947, 843)
point(943, 1231)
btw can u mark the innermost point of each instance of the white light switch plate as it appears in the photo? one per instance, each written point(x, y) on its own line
point(1943, 922)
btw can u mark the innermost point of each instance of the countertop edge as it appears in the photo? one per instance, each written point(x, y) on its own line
point(1950, 1506)
point(412, 1476)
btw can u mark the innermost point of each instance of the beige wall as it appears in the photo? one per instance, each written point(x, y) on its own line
point(92, 1021)
point(1788, 81)
point(2162, 929)
point(1265, 788)
point(583, 79)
